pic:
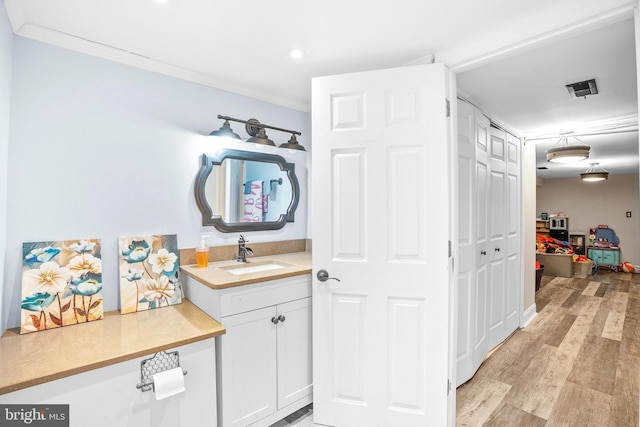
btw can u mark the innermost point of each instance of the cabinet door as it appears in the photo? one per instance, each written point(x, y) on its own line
point(595, 255)
point(248, 367)
point(609, 257)
point(294, 351)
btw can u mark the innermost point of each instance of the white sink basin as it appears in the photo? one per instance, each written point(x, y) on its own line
point(255, 267)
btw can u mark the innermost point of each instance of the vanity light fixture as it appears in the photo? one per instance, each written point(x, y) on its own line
point(292, 143)
point(594, 173)
point(225, 131)
point(257, 132)
point(566, 153)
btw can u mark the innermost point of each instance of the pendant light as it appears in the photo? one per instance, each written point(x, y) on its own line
point(225, 131)
point(567, 153)
point(594, 173)
point(292, 144)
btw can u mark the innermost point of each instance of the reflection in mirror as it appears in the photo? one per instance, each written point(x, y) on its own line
point(244, 191)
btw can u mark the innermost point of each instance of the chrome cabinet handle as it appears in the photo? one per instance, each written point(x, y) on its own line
point(483, 252)
point(497, 250)
point(323, 276)
point(275, 320)
point(281, 318)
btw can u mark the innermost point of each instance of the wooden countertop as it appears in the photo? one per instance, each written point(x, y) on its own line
point(216, 277)
point(38, 357)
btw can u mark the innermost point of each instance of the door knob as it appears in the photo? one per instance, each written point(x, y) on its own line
point(281, 318)
point(323, 276)
point(275, 320)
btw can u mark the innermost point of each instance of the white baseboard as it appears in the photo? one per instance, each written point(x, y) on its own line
point(528, 315)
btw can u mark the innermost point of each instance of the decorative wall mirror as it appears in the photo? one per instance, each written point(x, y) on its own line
point(246, 191)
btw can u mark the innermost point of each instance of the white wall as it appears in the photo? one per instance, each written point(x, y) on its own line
point(6, 50)
point(102, 150)
point(591, 204)
point(528, 228)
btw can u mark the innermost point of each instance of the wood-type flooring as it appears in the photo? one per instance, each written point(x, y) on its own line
point(576, 364)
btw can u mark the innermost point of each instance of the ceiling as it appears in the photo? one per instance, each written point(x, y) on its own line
point(512, 59)
point(527, 93)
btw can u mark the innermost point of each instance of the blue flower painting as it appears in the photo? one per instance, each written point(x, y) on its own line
point(61, 284)
point(149, 273)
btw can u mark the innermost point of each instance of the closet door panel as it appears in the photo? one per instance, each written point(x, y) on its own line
point(498, 237)
point(466, 312)
point(481, 228)
point(514, 201)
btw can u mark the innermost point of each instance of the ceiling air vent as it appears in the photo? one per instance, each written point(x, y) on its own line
point(582, 89)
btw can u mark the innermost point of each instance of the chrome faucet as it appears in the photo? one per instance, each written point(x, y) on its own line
point(243, 251)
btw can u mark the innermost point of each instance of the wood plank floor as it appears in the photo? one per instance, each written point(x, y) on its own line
point(576, 364)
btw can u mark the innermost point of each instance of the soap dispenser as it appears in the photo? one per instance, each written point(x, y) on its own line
point(202, 253)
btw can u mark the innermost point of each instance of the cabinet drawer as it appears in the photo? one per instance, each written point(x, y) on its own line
point(264, 294)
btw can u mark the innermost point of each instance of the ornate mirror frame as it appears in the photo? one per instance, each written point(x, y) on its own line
point(210, 218)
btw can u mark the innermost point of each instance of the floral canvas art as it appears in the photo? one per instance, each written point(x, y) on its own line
point(149, 273)
point(61, 284)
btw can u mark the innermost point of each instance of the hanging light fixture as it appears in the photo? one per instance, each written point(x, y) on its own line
point(594, 173)
point(292, 143)
point(225, 131)
point(261, 138)
point(566, 153)
point(257, 133)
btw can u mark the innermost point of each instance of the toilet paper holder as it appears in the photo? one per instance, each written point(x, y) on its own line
point(160, 362)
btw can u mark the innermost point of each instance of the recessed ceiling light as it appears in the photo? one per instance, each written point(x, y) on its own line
point(296, 54)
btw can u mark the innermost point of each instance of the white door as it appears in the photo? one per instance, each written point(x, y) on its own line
point(380, 212)
point(514, 270)
point(473, 215)
point(497, 249)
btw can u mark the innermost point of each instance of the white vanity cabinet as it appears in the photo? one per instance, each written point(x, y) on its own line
point(108, 397)
point(264, 358)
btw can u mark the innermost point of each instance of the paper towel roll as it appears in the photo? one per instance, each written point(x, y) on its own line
point(168, 383)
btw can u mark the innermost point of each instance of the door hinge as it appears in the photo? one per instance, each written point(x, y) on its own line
point(448, 387)
point(449, 248)
point(448, 107)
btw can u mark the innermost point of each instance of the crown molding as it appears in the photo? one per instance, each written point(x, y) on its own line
point(89, 47)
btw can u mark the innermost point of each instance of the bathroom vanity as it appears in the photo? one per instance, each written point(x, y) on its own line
point(263, 362)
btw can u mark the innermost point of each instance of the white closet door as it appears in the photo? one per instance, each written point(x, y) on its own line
point(479, 321)
point(473, 207)
point(466, 242)
point(473, 214)
point(513, 282)
point(489, 270)
point(497, 247)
